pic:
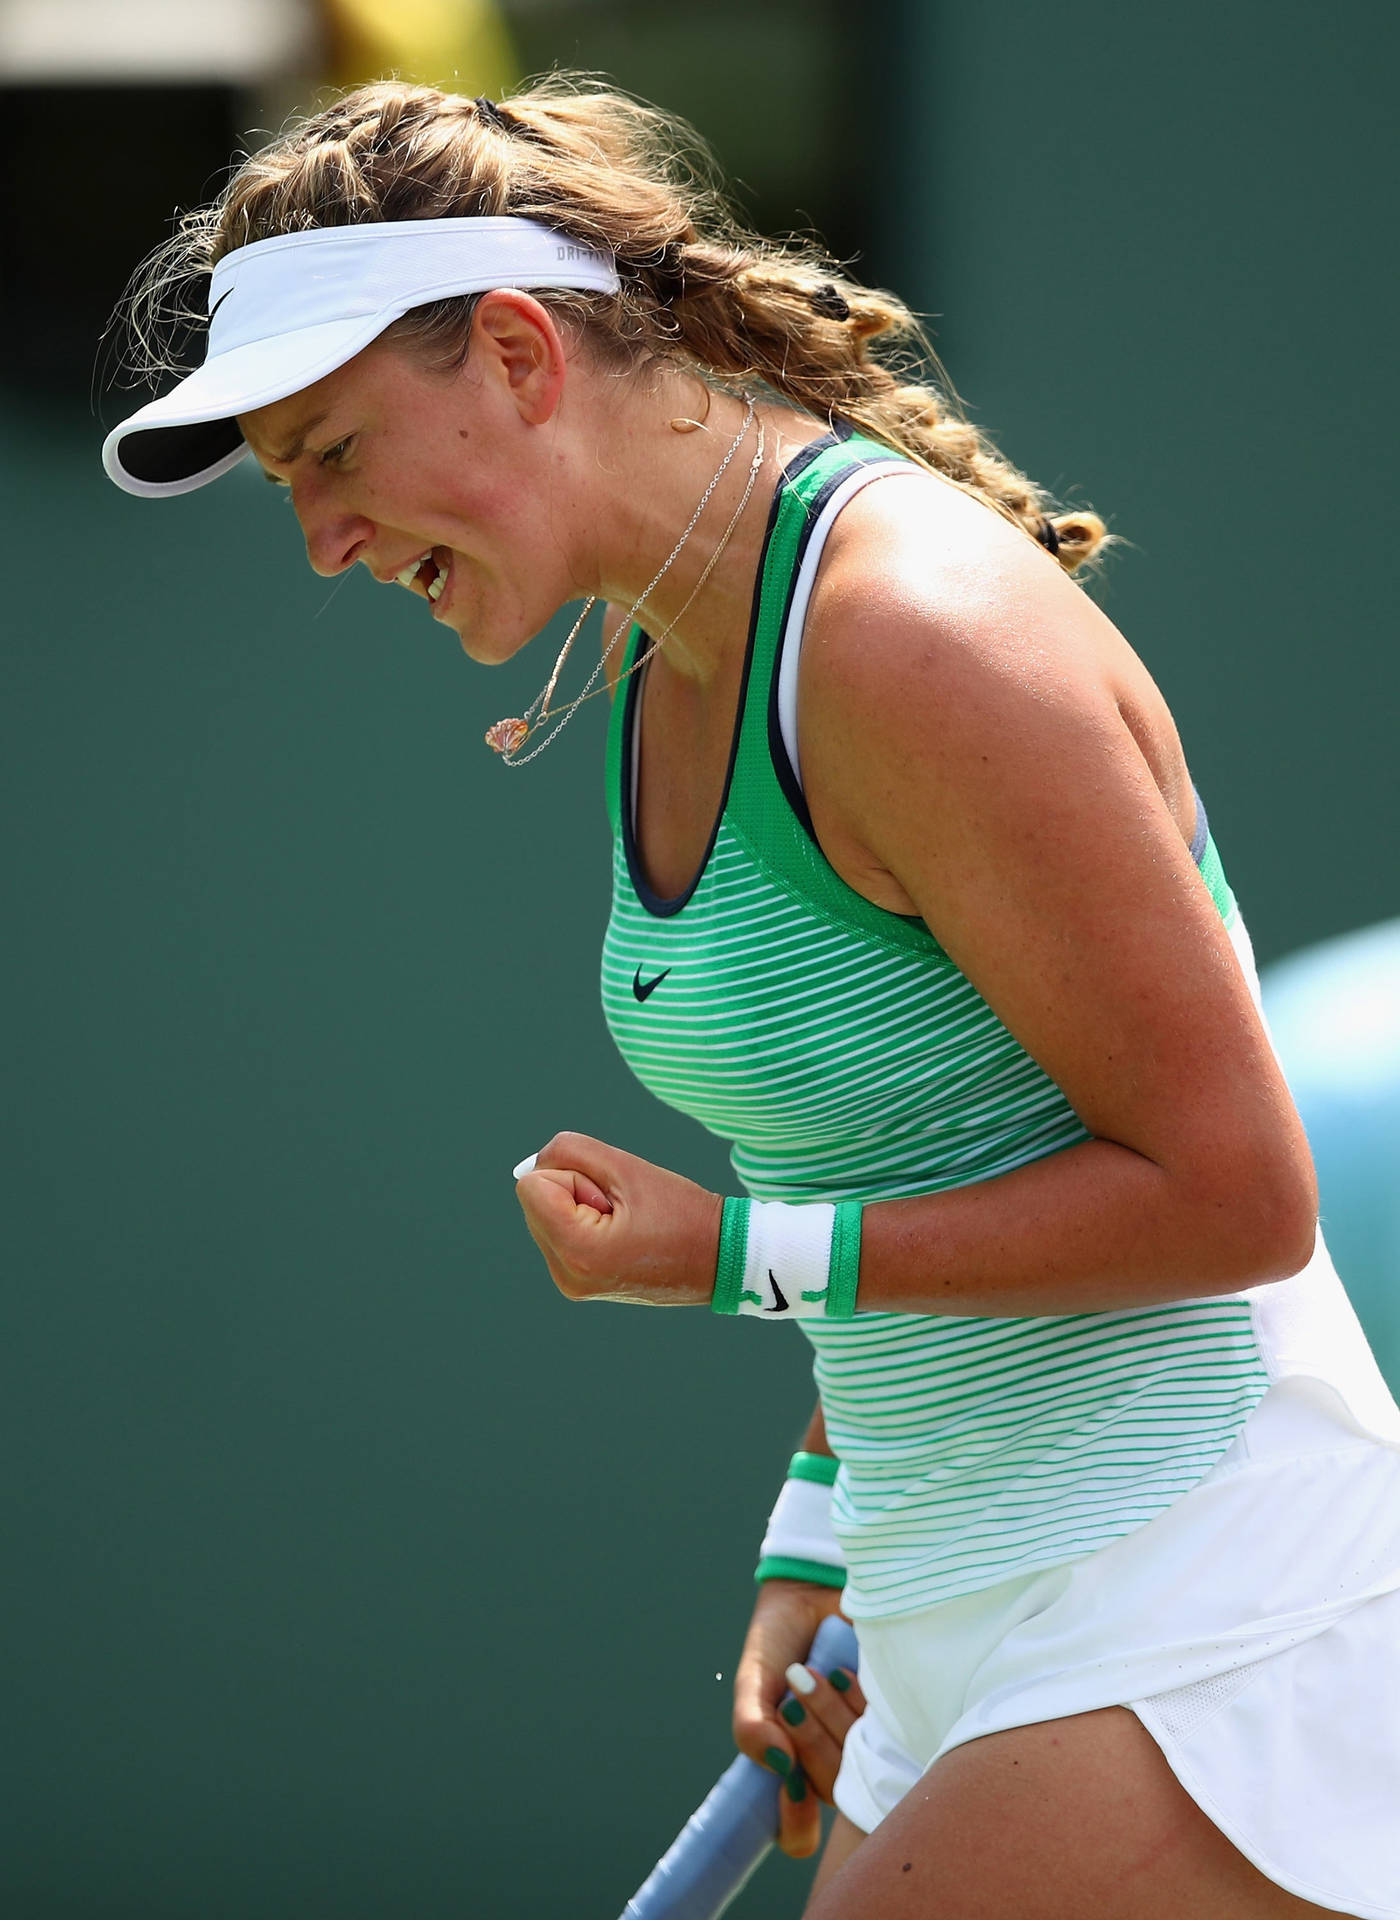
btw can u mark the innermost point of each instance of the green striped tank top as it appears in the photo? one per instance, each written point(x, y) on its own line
point(844, 1057)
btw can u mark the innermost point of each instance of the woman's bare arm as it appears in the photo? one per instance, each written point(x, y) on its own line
point(814, 1440)
point(964, 734)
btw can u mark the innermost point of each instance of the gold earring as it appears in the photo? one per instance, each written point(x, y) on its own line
point(682, 424)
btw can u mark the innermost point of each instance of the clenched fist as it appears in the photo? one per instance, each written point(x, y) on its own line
point(613, 1227)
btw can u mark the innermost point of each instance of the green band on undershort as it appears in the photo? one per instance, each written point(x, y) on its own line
point(814, 1466)
point(774, 1567)
point(845, 1262)
point(733, 1250)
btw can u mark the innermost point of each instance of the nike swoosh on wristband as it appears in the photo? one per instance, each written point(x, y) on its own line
point(643, 987)
point(778, 1294)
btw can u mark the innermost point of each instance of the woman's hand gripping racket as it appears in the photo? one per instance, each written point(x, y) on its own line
point(726, 1837)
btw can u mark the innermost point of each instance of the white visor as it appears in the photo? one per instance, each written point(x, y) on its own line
point(284, 313)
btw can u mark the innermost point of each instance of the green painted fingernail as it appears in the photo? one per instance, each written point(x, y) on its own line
point(793, 1712)
point(841, 1681)
point(779, 1761)
point(796, 1786)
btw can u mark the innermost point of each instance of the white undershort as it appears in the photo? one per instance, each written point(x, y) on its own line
point(1254, 1628)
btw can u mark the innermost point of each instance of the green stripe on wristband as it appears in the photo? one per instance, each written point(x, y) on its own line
point(845, 1262)
point(816, 1573)
point(733, 1250)
point(814, 1466)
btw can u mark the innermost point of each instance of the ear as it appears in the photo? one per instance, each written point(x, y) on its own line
point(515, 339)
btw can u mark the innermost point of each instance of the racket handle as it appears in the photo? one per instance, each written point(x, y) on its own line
point(730, 1832)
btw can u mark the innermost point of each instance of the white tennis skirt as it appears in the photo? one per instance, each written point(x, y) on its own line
point(1254, 1628)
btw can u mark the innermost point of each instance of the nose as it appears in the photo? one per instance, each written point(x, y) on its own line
point(334, 540)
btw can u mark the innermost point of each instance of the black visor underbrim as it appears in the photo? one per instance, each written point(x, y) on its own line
point(161, 455)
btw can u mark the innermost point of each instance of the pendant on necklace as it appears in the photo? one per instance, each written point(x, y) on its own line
point(506, 735)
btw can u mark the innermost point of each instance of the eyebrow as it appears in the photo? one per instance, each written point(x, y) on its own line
point(294, 452)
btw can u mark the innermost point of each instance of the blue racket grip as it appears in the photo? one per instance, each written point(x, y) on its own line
point(730, 1832)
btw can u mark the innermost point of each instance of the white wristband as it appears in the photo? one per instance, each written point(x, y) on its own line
point(800, 1543)
point(787, 1259)
point(783, 1261)
point(799, 1527)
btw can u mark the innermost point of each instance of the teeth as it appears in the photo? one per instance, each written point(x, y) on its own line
point(410, 574)
point(436, 585)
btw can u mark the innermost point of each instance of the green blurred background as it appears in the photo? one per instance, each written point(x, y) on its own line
point(348, 1570)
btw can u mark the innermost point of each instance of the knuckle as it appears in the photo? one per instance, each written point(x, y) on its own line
point(566, 1145)
point(751, 1735)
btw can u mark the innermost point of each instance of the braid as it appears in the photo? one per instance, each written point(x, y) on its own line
point(785, 320)
point(606, 170)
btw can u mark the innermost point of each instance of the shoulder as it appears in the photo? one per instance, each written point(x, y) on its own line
point(937, 630)
point(923, 590)
point(957, 685)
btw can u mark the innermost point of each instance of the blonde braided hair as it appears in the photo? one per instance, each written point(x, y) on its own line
point(697, 289)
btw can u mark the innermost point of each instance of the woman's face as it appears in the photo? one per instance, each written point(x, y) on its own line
point(450, 484)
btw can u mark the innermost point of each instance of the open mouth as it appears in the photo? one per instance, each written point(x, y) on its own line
point(429, 573)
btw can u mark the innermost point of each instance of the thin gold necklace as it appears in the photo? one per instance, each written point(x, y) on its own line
point(506, 737)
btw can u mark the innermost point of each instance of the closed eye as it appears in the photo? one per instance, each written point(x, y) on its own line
point(331, 457)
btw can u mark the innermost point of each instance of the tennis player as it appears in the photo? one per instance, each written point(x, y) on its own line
point(915, 903)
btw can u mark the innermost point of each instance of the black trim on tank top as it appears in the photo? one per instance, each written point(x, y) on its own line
point(662, 906)
point(777, 746)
